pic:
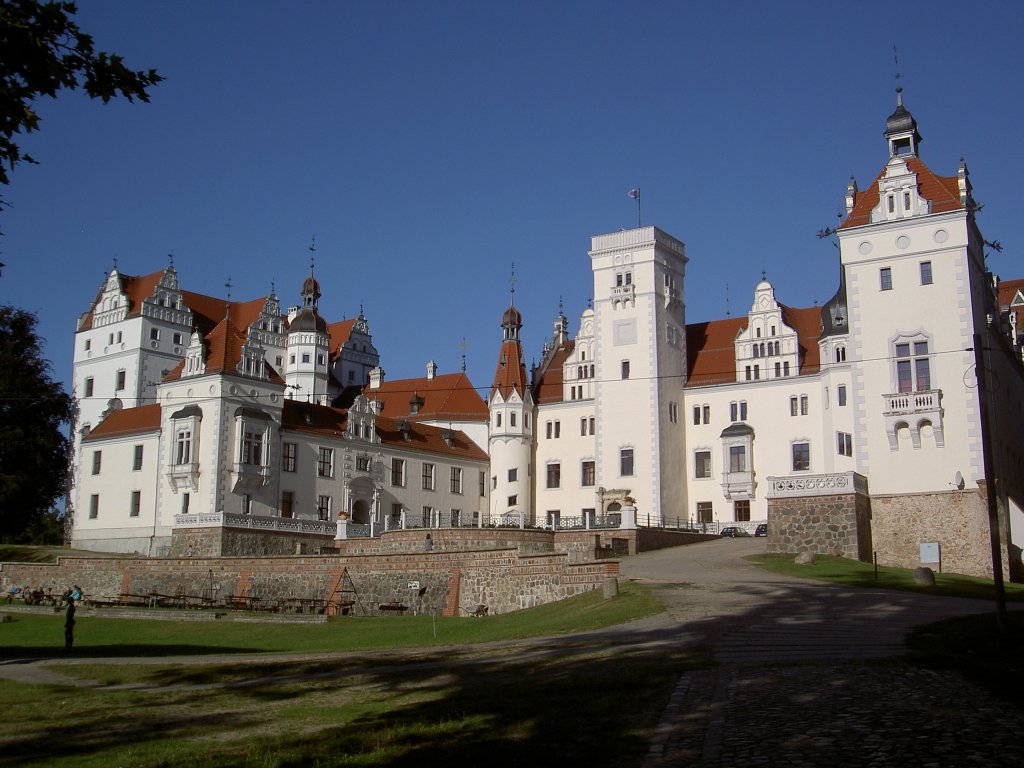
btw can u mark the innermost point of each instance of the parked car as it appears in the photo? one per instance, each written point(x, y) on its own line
point(761, 530)
point(734, 531)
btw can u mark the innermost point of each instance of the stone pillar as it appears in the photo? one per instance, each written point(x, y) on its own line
point(628, 518)
point(342, 529)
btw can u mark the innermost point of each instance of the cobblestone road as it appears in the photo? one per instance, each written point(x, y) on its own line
point(810, 674)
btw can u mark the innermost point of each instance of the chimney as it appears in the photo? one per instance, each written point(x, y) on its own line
point(376, 377)
point(431, 369)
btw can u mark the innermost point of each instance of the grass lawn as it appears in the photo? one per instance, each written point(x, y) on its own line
point(841, 570)
point(577, 701)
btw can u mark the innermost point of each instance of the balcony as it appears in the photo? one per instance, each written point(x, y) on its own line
point(623, 294)
point(913, 411)
point(184, 477)
point(738, 485)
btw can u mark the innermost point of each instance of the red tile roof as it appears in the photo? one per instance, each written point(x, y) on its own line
point(445, 396)
point(223, 347)
point(510, 373)
point(711, 351)
point(547, 385)
point(1007, 290)
point(339, 333)
point(323, 420)
point(127, 421)
point(942, 191)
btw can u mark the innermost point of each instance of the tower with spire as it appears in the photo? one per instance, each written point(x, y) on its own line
point(510, 434)
point(306, 363)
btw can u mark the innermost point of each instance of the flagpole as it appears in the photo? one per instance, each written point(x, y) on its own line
point(635, 194)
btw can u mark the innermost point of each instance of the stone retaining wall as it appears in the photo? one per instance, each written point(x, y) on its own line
point(445, 582)
point(956, 520)
point(836, 525)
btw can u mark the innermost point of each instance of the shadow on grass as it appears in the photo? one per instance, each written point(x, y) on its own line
point(10, 654)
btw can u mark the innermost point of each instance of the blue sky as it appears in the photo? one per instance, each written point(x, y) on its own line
point(428, 146)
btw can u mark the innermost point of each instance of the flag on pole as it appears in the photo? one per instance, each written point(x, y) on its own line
point(634, 193)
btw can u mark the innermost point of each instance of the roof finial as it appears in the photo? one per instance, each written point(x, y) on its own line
point(115, 262)
point(464, 346)
point(764, 274)
point(170, 259)
point(899, 85)
point(227, 308)
point(312, 255)
point(512, 286)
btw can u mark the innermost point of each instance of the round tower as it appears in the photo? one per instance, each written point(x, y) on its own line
point(308, 348)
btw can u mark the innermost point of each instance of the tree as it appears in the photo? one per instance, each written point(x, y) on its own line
point(34, 450)
point(42, 51)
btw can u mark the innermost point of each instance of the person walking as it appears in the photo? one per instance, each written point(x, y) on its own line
point(69, 626)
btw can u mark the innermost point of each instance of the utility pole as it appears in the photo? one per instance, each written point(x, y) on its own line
point(990, 485)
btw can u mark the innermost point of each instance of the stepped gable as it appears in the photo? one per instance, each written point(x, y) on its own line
point(548, 381)
point(135, 288)
point(445, 396)
point(711, 350)
point(943, 192)
point(223, 347)
point(127, 421)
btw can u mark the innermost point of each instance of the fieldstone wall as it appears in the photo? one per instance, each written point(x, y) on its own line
point(956, 520)
point(835, 525)
point(442, 582)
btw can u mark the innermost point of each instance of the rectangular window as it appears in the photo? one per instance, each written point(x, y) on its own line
point(88, 386)
point(705, 512)
point(626, 462)
point(247, 504)
point(587, 474)
point(743, 410)
point(482, 482)
point(785, 368)
point(737, 458)
point(323, 507)
point(547, 430)
point(362, 463)
point(398, 473)
point(741, 510)
point(185, 499)
point(778, 370)
point(137, 459)
point(702, 463)
point(554, 475)
point(583, 427)
point(427, 517)
point(88, 344)
point(906, 201)
point(252, 448)
point(306, 358)
point(673, 413)
point(913, 372)
point(497, 419)
point(757, 373)
point(746, 374)
point(120, 380)
point(707, 414)
point(734, 412)
point(513, 475)
point(625, 369)
point(97, 461)
point(841, 394)
point(803, 405)
point(456, 479)
point(885, 278)
point(844, 443)
point(289, 456)
point(558, 429)
point(154, 334)
point(177, 340)
point(513, 500)
point(696, 414)
point(512, 419)
point(287, 503)
point(136, 504)
point(427, 477)
point(591, 423)
point(325, 462)
point(926, 273)
point(794, 406)
point(801, 457)
point(94, 506)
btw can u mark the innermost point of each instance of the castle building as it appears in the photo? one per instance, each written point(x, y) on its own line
point(856, 426)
